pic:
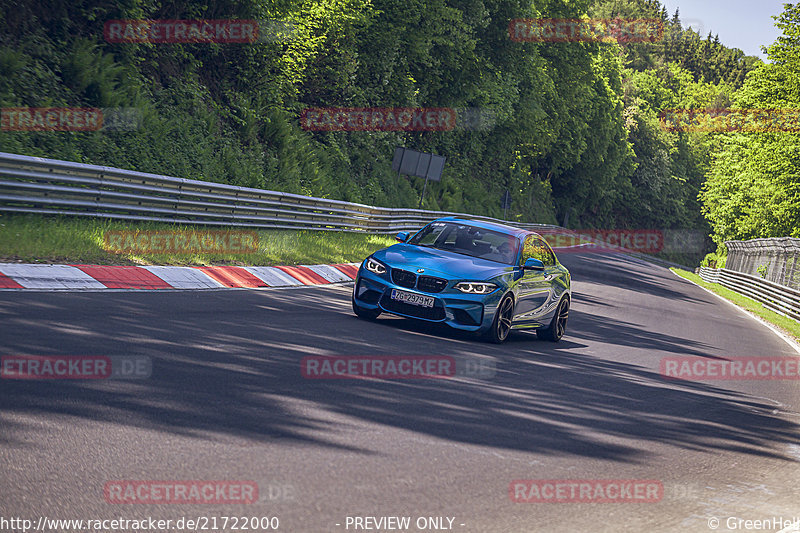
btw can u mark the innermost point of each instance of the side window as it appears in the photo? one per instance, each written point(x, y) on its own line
point(537, 248)
point(548, 258)
point(527, 249)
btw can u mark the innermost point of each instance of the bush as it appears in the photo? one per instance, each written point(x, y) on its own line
point(714, 260)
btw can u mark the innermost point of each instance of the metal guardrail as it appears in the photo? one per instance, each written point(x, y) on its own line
point(49, 186)
point(778, 298)
point(54, 187)
point(779, 259)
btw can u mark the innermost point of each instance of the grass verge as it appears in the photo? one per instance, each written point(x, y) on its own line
point(787, 325)
point(77, 240)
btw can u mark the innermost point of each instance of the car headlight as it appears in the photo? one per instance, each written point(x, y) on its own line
point(475, 287)
point(375, 267)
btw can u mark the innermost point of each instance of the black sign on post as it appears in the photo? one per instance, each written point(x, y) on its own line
point(398, 157)
point(436, 167)
point(420, 164)
point(408, 165)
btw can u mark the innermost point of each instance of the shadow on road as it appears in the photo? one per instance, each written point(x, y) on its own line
point(226, 366)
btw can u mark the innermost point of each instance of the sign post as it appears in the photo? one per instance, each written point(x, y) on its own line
point(420, 164)
point(506, 203)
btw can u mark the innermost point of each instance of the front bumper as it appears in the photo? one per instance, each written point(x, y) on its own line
point(469, 312)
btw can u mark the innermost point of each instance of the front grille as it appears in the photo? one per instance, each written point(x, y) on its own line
point(428, 313)
point(431, 284)
point(404, 278)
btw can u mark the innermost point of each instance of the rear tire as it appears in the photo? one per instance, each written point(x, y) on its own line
point(501, 325)
point(558, 325)
point(366, 314)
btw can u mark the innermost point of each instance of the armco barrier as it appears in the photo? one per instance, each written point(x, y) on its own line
point(779, 258)
point(778, 298)
point(49, 186)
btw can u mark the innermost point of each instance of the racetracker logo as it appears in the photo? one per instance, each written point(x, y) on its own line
point(181, 242)
point(733, 368)
point(647, 241)
point(586, 491)
point(378, 119)
point(44, 367)
point(50, 119)
point(731, 120)
point(395, 367)
point(181, 31)
point(585, 30)
point(180, 492)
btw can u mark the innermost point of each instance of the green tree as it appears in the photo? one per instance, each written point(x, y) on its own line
point(753, 188)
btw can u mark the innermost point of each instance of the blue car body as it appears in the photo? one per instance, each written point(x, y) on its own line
point(482, 256)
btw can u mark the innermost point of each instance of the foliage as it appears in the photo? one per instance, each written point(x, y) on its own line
point(575, 131)
point(714, 260)
point(753, 186)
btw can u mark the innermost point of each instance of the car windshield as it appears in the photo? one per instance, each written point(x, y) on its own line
point(468, 240)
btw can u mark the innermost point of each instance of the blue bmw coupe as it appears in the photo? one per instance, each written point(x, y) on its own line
point(470, 275)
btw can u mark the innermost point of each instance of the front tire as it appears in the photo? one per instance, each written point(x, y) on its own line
point(366, 314)
point(501, 325)
point(558, 325)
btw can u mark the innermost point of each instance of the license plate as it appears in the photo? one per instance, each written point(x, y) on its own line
point(411, 298)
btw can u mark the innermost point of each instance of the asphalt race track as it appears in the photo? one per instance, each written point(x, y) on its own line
point(226, 401)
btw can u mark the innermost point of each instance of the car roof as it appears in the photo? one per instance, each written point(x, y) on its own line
point(486, 225)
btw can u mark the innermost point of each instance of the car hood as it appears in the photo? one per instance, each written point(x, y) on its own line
point(440, 262)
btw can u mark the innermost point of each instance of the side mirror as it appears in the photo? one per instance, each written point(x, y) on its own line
point(402, 236)
point(533, 264)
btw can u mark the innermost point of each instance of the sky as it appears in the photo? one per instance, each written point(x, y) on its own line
point(744, 24)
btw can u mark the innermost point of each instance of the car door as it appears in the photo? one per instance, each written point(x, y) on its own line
point(554, 277)
point(535, 295)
